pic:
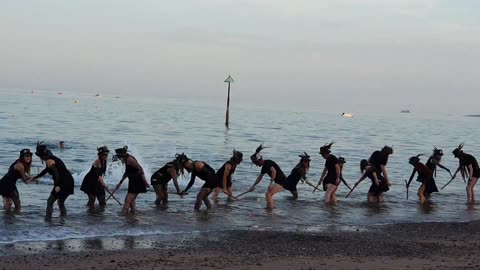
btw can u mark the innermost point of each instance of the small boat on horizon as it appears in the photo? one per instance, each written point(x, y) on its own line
point(405, 111)
point(347, 115)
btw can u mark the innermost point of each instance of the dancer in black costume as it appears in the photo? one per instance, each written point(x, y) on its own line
point(93, 183)
point(20, 169)
point(137, 182)
point(203, 171)
point(425, 176)
point(224, 175)
point(298, 173)
point(379, 160)
point(269, 167)
point(468, 166)
point(330, 175)
point(378, 186)
point(162, 176)
point(62, 179)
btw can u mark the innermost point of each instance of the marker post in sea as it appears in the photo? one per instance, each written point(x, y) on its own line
point(228, 80)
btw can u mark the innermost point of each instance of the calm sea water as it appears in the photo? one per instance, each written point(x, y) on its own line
point(155, 129)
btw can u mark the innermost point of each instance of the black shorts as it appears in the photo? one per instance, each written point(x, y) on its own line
point(158, 179)
point(211, 182)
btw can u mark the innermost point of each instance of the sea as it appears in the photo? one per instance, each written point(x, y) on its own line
point(156, 129)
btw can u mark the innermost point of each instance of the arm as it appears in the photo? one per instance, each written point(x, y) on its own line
point(19, 167)
point(174, 175)
point(385, 174)
point(443, 167)
point(274, 174)
point(470, 170)
point(55, 176)
point(228, 167)
point(190, 184)
point(41, 174)
point(411, 177)
point(337, 174)
point(259, 178)
point(321, 177)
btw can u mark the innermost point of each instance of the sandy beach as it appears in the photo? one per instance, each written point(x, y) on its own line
point(398, 246)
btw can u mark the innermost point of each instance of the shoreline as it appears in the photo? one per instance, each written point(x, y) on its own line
point(436, 245)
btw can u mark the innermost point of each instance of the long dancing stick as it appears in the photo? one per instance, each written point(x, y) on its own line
point(354, 186)
point(248, 191)
point(111, 195)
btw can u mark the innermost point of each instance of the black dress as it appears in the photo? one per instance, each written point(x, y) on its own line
point(292, 180)
point(374, 189)
point(135, 181)
point(64, 179)
point(8, 183)
point(428, 177)
point(161, 176)
point(221, 171)
point(266, 169)
point(90, 184)
point(207, 174)
point(331, 177)
point(467, 159)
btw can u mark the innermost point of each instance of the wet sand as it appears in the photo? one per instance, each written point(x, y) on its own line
point(398, 246)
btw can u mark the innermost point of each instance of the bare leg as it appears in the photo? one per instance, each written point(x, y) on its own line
point(205, 198)
point(126, 204)
point(216, 193)
point(372, 198)
point(230, 190)
point(329, 192)
point(101, 200)
point(16, 200)
point(334, 195)
point(272, 189)
point(421, 194)
point(470, 193)
point(7, 203)
point(380, 197)
point(158, 192)
point(294, 194)
point(164, 193)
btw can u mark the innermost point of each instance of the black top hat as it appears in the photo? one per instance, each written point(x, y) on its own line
point(42, 150)
point(387, 149)
point(256, 156)
point(304, 156)
point(437, 151)
point(414, 160)
point(342, 160)
point(237, 155)
point(102, 150)
point(326, 148)
point(119, 152)
point(25, 152)
point(457, 150)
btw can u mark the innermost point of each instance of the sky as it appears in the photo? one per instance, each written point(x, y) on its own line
point(343, 55)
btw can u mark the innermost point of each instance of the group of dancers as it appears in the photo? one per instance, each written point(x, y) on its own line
point(375, 168)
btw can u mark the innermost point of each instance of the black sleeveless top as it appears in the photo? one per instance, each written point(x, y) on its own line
point(9, 181)
point(161, 176)
point(297, 173)
point(221, 171)
point(330, 164)
point(207, 174)
point(266, 169)
point(90, 184)
point(65, 179)
point(467, 159)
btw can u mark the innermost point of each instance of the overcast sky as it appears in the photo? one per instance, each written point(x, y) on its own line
point(345, 55)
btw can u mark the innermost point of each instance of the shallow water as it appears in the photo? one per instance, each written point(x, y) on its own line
point(155, 129)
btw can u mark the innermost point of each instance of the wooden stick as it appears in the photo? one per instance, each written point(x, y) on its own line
point(111, 195)
point(351, 191)
point(243, 194)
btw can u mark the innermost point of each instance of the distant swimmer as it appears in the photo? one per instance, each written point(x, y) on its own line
point(137, 183)
point(330, 175)
point(269, 167)
point(225, 175)
point(203, 171)
point(298, 173)
point(62, 179)
point(162, 176)
point(93, 183)
point(20, 169)
point(468, 167)
point(62, 144)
